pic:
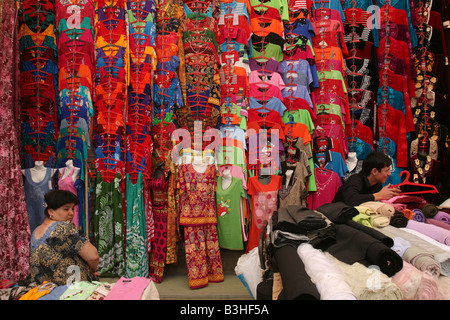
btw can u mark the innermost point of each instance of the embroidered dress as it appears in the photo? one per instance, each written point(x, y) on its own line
point(108, 226)
point(160, 205)
point(198, 216)
point(55, 252)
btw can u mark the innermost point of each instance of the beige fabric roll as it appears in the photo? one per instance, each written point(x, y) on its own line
point(384, 209)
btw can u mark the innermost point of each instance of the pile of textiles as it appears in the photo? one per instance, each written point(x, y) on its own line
point(325, 254)
point(136, 288)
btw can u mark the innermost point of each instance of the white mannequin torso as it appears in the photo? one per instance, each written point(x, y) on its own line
point(38, 171)
point(226, 178)
point(65, 171)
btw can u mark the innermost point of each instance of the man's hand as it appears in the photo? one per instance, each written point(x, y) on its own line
point(387, 193)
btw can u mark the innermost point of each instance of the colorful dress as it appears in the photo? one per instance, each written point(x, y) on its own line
point(198, 216)
point(108, 226)
point(264, 202)
point(136, 260)
point(157, 259)
point(55, 254)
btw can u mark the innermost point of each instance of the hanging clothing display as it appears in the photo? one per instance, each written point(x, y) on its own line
point(182, 123)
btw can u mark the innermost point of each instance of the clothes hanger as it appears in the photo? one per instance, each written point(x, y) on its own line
point(426, 188)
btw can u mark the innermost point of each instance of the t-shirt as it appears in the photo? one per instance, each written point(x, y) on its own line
point(229, 204)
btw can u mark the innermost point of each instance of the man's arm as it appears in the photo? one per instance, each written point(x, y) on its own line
point(351, 192)
point(386, 193)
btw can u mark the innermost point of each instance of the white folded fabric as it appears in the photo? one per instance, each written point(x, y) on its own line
point(325, 274)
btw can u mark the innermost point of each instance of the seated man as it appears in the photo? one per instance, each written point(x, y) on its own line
point(368, 184)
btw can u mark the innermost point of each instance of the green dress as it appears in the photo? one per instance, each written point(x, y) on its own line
point(229, 222)
point(136, 263)
point(108, 226)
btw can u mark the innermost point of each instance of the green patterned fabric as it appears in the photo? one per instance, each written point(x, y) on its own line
point(108, 226)
point(136, 264)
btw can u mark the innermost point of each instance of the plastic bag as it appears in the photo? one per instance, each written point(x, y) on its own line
point(248, 270)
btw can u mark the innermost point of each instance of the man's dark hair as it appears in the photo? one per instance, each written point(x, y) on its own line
point(57, 198)
point(377, 160)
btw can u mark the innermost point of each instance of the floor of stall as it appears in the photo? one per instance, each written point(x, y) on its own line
point(175, 286)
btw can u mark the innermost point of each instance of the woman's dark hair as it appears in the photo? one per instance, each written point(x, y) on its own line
point(57, 198)
point(377, 160)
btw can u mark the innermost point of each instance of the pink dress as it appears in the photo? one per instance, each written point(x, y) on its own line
point(68, 184)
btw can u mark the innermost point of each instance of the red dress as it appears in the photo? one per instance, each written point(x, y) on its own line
point(198, 216)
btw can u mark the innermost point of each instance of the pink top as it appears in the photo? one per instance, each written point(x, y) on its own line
point(327, 183)
point(128, 289)
point(68, 184)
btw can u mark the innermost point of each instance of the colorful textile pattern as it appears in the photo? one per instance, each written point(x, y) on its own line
point(38, 81)
point(109, 226)
point(160, 205)
point(198, 216)
point(54, 255)
point(14, 226)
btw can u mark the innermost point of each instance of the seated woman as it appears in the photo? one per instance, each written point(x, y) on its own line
point(59, 252)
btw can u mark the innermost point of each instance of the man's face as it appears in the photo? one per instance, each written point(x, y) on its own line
point(381, 176)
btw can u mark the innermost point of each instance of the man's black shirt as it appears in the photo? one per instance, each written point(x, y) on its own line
point(356, 190)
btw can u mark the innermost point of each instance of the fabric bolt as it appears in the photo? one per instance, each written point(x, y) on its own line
point(365, 249)
point(429, 210)
point(398, 220)
point(368, 283)
point(298, 219)
point(418, 215)
point(439, 223)
point(383, 209)
point(440, 252)
point(422, 260)
point(325, 274)
point(297, 284)
point(437, 233)
point(417, 285)
point(338, 212)
point(400, 246)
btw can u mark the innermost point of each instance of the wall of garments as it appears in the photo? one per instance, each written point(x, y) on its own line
point(182, 123)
